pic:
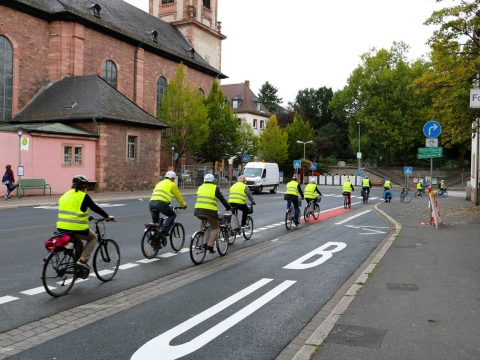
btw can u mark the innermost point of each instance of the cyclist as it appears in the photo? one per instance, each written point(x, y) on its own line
point(386, 186)
point(206, 207)
point(311, 190)
point(442, 187)
point(347, 190)
point(420, 189)
point(366, 185)
point(293, 190)
point(73, 217)
point(161, 199)
point(238, 196)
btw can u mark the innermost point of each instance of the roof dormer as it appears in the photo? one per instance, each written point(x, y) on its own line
point(95, 10)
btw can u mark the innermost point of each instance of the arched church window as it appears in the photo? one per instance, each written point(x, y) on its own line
point(161, 90)
point(6, 79)
point(109, 73)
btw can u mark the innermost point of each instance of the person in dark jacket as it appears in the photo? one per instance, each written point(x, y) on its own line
point(9, 181)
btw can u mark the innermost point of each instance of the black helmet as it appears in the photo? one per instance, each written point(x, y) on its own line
point(79, 180)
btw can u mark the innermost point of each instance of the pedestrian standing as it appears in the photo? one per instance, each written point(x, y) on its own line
point(8, 180)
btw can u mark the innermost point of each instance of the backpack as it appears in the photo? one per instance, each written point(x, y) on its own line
point(5, 178)
point(439, 185)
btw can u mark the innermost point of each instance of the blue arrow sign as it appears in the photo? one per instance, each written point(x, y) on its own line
point(407, 170)
point(314, 166)
point(297, 164)
point(432, 129)
point(245, 158)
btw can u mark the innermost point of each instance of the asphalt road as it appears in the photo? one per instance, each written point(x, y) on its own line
point(295, 290)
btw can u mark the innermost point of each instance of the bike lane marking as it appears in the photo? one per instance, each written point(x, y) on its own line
point(160, 345)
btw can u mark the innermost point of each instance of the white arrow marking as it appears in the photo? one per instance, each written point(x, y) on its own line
point(159, 347)
point(372, 231)
point(434, 127)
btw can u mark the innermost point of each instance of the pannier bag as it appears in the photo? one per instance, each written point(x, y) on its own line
point(59, 239)
point(249, 209)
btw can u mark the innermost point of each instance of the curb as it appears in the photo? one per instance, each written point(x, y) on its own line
point(313, 343)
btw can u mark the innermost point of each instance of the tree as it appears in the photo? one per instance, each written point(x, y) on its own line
point(248, 143)
point(223, 139)
point(268, 97)
point(299, 130)
point(379, 96)
point(273, 144)
point(312, 105)
point(183, 110)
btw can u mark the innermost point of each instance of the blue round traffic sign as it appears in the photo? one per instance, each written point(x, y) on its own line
point(432, 129)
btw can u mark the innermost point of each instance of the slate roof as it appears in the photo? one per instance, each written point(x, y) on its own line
point(247, 105)
point(84, 98)
point(50, 128)
point(125, 20)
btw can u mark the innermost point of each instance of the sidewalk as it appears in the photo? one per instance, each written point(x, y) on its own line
point(418, 300)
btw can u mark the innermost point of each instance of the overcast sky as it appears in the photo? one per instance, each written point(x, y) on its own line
point(302, 44)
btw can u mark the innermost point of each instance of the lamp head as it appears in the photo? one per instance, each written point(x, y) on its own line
point(300, 142)
point(309, 142)
point(20, 131)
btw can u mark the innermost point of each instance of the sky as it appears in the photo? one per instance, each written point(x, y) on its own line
point(300, 44)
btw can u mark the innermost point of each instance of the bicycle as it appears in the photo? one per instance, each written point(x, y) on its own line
point(364, 195)
point(60, 269)
point(405, 195)
point(247, 230)
point(153, 239)
point(444, 195)
point(345, 201)
point(312, 209)
point(198, 243)
point(419, 193)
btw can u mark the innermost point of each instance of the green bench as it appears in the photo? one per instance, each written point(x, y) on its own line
point(28, 184)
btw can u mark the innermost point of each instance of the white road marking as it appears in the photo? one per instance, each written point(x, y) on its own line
point(56, 207)
point(167, 255)
point(127, 266)
point(147, 261)
point(352, 217)
point(160, 348)
point(6, 299)
point(368, 228)
point(34, 291)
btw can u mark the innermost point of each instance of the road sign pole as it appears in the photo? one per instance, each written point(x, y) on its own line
point(431, 172)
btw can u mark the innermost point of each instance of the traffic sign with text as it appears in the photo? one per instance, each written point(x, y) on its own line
point(430, 150)
point(429, 156)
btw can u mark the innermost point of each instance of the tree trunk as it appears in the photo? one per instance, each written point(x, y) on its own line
point(387, 157)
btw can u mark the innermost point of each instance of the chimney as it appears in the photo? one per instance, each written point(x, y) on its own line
point(247, 83)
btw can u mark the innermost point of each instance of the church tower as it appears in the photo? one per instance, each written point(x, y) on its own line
point(197, 21)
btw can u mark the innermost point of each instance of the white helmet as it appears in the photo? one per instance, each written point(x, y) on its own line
point(313, 181)
point(170, 175)
point(209, 178)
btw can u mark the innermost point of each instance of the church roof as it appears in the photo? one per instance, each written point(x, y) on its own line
point(124, 20)
point(84, 98)
point(247, 99)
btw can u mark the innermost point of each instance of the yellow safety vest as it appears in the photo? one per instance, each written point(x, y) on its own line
point(388, 184)
point(163, 191)
point(237, 193)
point(70, 217)
point(442, 185)
point(292, 188)
point(419, 186)
point(206, 198)
point(309, 192)
point(347, 187)
point(366, 183)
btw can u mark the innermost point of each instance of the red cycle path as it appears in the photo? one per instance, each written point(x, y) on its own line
point(326, 215)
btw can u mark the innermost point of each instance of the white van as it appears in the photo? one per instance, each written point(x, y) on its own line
point(262, 175)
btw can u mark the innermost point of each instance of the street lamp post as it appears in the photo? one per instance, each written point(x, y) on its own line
point(19, 133)
point(359, 155)
point(304, 143)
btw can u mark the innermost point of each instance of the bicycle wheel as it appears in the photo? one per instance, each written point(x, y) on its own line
point(232, 234)
point(222, 241)
point(106, 260)
point(177, 237)
point(445, 193)
point(198, 248)
point(402, 196)
point(345, 202)
point(288, 219)
point(316, 211)
point(416, 194)
point(59, 275)
point(407, 198)
point(248, 230)
point(149, 245)
point(306, 213)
